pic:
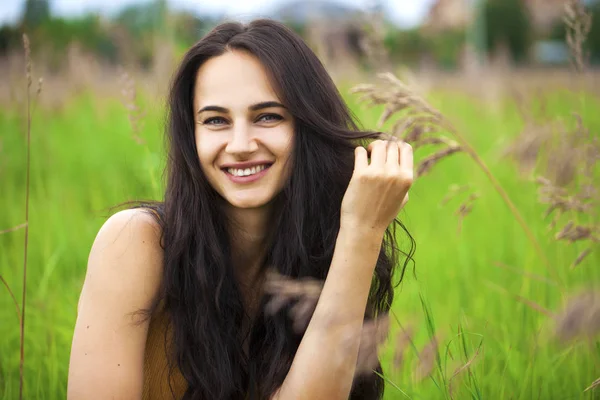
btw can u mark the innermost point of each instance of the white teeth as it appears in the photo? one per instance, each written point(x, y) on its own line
point(247, 171)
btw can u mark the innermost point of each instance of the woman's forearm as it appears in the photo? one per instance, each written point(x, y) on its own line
point(325, 362)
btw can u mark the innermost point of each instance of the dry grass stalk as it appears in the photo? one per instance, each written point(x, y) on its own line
point(533, 140)
point(418, 122)
point(27, 48)
point(594, 385)
point(427, 359)
point(580, 200)
point(578, 22)
point(374, 334)
point(465, 209)
point(12, 295)
point(454, 383)
point(131, 103)
point(453, 191)
point(303, 295)
point(581, 257)
point(467, 365)
point(529, 303)
point(566, 163)
point(428, 162)
point(403, 339)
point(536, 277)
point(580, 317)
point(14, 228)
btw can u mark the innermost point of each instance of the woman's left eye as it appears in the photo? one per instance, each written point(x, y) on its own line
point(270, 118)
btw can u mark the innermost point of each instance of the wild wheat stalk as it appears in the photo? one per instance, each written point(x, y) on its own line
point(418, 123)
point(496, 184)
point(27, 169)
point(578, 22)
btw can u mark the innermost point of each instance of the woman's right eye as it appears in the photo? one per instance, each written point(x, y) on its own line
point(215, 121)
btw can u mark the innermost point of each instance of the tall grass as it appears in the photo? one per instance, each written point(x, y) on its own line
point(463, 328)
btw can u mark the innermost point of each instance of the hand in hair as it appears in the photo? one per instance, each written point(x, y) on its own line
point(379, 189)
point(327, 359)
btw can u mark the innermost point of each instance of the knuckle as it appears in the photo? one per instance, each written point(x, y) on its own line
point(406, 177)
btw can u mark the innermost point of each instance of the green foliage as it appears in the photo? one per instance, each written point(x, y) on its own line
point(189, 28)
point(88, 32)
point(410, 46)
point(508, 23)
point(35, 13)
point(140, 19)
point(405, 46)
point(447, 48)
point(9, 38)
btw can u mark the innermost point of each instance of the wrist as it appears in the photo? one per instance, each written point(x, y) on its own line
point(361, 234)
point(362, 228)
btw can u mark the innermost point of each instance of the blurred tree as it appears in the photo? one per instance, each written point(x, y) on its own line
point(54, 36)
point(508, 24)
point(35, 12)
point(143, 18)
point(406, 46)
point(9, 38)
point(189, 28)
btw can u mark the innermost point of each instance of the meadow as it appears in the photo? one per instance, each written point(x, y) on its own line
point(481, 292)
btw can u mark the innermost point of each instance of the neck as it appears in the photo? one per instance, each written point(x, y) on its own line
point(248, 231)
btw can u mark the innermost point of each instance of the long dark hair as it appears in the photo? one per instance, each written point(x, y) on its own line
point(199, 289)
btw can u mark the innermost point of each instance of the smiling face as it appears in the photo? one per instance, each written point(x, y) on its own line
point(244, 135)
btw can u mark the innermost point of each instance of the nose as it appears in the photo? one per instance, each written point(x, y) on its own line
point(241, 143)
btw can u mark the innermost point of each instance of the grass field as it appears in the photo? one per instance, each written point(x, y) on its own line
point(84, 160)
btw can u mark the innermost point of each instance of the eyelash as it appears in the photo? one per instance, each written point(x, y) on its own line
point(209, 121)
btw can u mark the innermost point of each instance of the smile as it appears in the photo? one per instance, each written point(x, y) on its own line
point(246, 175)
point(247, 171)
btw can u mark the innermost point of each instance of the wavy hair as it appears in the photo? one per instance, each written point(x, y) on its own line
point(199, 290)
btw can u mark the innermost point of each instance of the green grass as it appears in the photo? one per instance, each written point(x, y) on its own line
point(85, 160)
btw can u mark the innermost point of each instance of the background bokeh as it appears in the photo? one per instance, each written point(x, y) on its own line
point(504, 301)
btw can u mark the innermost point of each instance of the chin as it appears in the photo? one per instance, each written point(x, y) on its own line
point(248, 203)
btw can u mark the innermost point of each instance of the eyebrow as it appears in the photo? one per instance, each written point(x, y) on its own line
point(253, 107)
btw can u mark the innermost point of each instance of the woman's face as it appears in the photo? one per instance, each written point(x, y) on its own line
point(244, 135)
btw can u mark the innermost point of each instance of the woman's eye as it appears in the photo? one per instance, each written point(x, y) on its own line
point(215, 121)
point(270, 118)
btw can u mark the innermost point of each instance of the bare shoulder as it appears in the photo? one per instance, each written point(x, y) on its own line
point(128, 227)
point(126, 257)
point(123, 277)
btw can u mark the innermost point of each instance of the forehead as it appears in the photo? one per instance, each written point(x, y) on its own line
point(235, 78)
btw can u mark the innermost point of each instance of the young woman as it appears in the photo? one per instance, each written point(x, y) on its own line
point(266, 169)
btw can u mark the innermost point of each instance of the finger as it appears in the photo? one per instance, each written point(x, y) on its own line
point(406, 157)
point(393, 154)
point(361, 158)
point(378, 153)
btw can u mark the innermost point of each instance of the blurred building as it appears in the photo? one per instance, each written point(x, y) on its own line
point(545, 13)
point(448, 15)
point(457, 14)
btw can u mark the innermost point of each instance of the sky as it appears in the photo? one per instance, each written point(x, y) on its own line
point(404, 12)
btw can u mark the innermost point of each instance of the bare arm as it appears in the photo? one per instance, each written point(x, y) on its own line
point(123, 277)
point(325, 362)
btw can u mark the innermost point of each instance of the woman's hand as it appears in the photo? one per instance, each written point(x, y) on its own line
point(377, 191)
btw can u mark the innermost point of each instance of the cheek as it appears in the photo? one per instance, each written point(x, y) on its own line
point(207, 148)
point(283, 143)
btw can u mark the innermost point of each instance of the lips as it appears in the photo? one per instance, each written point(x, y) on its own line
point(247, 171)
point(252, 177)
